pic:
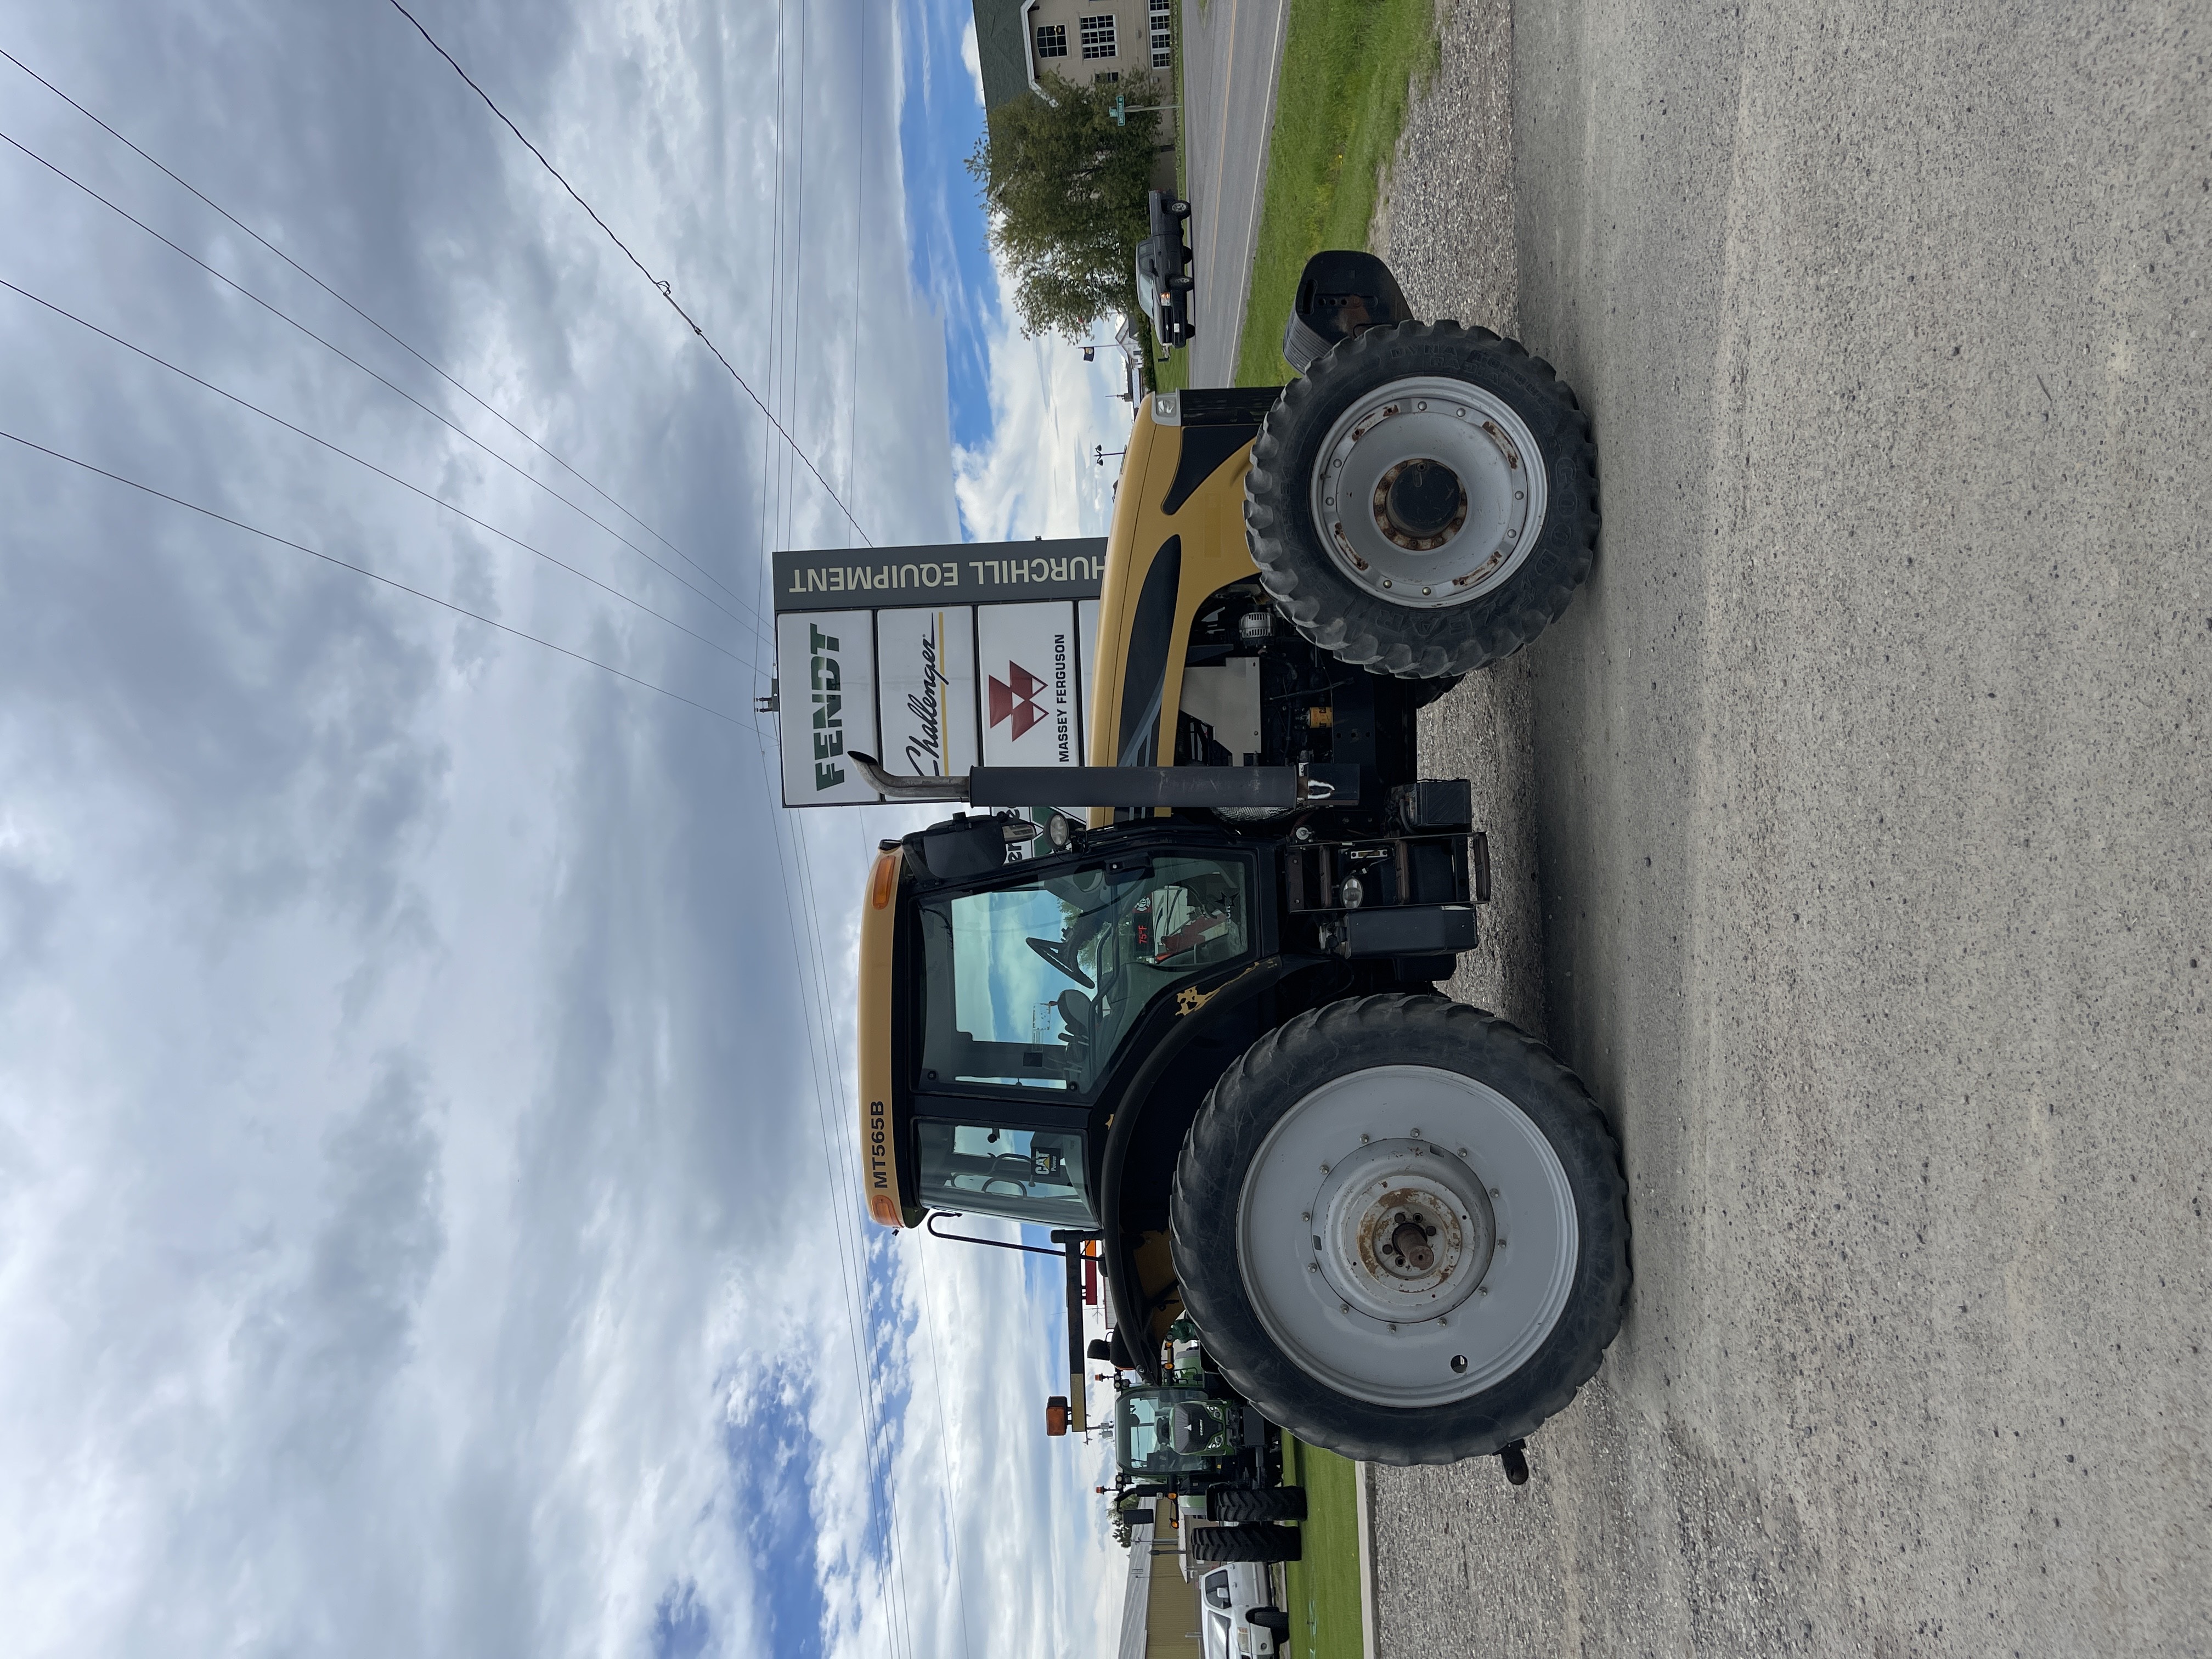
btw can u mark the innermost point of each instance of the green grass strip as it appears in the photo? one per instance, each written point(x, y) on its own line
point(1339, 106)
point(1321, 1592)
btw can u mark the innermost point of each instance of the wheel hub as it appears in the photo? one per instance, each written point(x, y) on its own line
point(1420, 505)
point(1408, 1232)
point(1429, 491)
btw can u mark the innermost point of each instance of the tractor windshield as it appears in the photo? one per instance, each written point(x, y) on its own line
point(1034, 984)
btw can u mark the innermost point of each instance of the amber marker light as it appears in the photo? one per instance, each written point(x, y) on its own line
point(884, 881)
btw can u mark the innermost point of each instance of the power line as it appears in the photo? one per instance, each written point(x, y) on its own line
point(776, 505)
point(459, 431)
point(427, 362)
point(336, 449)
point(665, 289)
point(362, 570)
point(814, 1012)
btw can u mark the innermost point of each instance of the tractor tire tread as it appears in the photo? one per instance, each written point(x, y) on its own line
point(1393, 1028)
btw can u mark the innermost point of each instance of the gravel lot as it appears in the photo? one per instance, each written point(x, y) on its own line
point(1852, 827)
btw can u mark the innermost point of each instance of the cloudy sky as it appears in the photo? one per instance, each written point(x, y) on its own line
point(429, 1215)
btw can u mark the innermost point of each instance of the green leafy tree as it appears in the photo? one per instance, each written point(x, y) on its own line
point(1064, 184)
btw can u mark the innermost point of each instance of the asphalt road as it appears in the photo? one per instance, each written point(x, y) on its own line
point(1230, 51)
point(1863, 807)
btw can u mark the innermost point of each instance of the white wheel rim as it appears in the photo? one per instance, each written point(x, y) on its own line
point(1488, 449)
point(1324, 1197)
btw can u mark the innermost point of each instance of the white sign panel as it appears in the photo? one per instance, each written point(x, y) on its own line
point(827, 667)
point(925, 690)
point(1026, 657)
point(1086, 634)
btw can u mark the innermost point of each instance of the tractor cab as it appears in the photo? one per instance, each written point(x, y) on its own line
point(1160, 1433)
point(1003, 1002)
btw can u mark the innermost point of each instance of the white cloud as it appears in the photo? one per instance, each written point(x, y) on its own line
point(972, 56)
point(1037, 474)
point(412, 1103)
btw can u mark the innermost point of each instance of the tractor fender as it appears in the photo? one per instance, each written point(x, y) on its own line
point(1125, 1291)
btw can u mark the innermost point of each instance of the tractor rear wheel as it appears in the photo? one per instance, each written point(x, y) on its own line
point(1424, 500)
point(1245, 1544)
point(1402, 1229)
point(1231, 1503)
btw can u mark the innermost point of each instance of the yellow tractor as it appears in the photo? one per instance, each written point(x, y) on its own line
point(1200, 1024)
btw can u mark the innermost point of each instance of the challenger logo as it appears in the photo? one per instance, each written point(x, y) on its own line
point(1014, 698)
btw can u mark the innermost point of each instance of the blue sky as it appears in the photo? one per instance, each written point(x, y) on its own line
point(427, 1212)
point(951, 257)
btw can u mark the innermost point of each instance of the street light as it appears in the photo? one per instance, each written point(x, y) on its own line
point(1099, 453)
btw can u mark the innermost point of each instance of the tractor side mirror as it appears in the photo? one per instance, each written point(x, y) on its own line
point(960, 846)
point(1340, 292)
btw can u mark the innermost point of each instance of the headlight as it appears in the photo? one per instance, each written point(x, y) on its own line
point(1059, 830)
point(1353, 892)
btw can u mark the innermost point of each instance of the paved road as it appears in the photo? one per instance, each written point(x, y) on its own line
point(1866, 796)
point(1231, 49)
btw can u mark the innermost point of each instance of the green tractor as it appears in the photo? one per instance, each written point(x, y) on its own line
point(1192, 1438)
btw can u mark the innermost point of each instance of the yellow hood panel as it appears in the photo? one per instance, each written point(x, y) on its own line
point(1210, 522)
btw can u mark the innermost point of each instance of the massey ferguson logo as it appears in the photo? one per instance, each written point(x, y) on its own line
point(1015, 698)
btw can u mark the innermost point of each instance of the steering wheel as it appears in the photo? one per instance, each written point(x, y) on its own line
point(1056, 953)
point(1020, 1182)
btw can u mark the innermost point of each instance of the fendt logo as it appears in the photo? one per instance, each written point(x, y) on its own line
point(1015, 698)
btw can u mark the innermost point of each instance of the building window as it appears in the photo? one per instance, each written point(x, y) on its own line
point(1052, 40)
point(1163, 32)
point(1098, 35)
point(1106, 78)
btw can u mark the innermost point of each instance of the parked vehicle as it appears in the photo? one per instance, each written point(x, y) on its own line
point(1201, 1027)
point(1237, 1605)
point(1164, 270)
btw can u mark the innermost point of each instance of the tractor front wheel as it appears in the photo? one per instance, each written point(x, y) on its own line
point(1424, 500)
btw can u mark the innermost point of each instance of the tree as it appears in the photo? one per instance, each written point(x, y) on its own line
point(1064, 184)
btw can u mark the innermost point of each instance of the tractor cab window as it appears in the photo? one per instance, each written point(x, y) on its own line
point(1025, 1174)
point(1034, 984)
point(1144, 1438)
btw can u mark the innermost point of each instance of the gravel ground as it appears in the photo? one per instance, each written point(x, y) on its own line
point(1451, 179)
point(1864, 801)
point(1452, 187)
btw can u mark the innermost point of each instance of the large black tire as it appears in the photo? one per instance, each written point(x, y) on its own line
point(1273, 1619)
point(1293, 1063)
point(1245, 1544)
point(1359, 625)
point(1235, 1503)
